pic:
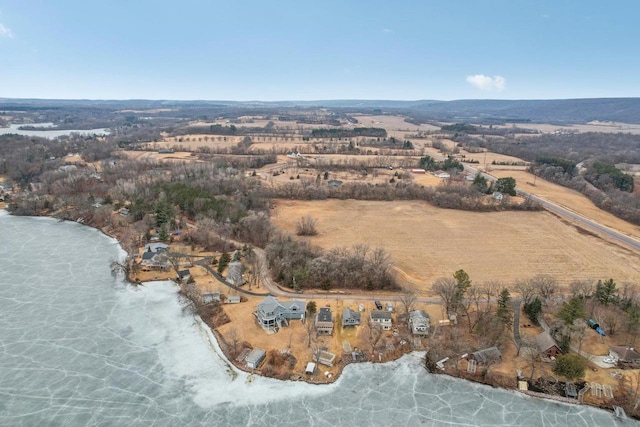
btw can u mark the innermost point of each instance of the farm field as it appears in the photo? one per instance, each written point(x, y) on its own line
point(426, 242)
point(568, 198)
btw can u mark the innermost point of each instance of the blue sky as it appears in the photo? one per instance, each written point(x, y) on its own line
point(305, 50)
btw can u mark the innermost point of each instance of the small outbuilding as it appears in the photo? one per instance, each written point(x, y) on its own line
point(184, 276)
point(255, 358)
point(233, 299)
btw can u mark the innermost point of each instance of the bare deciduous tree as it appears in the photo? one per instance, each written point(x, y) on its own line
point(374, 333)
point(446, 288)
point(408, 299)
point(545, 285)
point(232, 335)
point(526, 289)
point(581, 288)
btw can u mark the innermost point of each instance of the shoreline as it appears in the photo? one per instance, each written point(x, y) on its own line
point(218, 344)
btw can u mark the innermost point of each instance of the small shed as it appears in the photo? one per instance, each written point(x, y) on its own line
point(233, 299)
point(311, 368)
point(570, 390)
point(486, 356)
point(255, 358)
point(184, 276)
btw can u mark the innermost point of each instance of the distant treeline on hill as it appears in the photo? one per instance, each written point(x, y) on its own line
point(348, 133)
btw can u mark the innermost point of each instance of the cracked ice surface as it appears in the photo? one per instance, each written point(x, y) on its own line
point(77, 347)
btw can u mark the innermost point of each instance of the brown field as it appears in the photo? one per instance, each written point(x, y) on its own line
point(607, 127)
point(567, 198)
point(178, 156)
point(392, 123)
point(426, 242)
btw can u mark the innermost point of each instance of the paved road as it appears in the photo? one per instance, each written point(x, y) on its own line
point(567, 213)
point(516, 321)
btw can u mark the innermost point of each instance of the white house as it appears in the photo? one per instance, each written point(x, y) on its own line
point(381, 317)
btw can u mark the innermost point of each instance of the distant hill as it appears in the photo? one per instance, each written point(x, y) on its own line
point(477, 110)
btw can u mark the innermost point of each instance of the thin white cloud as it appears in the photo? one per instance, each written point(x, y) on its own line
point(487, 83)
point(387, 30)
point(5, 32)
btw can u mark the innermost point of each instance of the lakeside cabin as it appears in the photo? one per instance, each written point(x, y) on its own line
point(324, 321)
point(381, 317)
point(350, 317)
point(209, 297)
point(272, 314)
point(419, 322)
point(486, 356)
point(547, 346)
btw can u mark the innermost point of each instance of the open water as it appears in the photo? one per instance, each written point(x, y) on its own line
point(79, 347)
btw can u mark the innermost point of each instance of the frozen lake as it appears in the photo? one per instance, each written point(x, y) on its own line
point(79, 347)
point(52, 133)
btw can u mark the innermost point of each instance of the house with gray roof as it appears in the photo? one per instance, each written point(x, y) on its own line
point(272, 314)
point(486, 356)
point(209, 297)
point(547, 345)
point(350, 317)
point(624, 354)
point(184, 276)
point(381, 317)
point(324, 321)
point(234, 273)
point(155, 257)
point(419, 322)
point(156, 247)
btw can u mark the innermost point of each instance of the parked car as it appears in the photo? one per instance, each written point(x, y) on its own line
point(378, 305)
point(389, 306)
point(609, 360)
point(361, 308)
